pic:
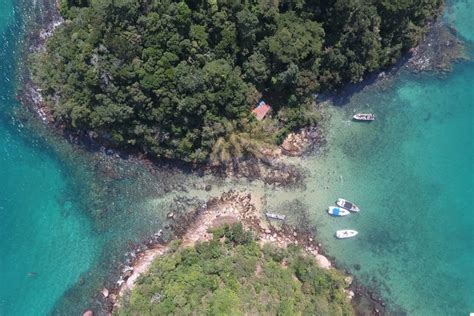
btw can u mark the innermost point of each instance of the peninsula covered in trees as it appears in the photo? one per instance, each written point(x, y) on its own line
point(233, 275)
point(179, 79)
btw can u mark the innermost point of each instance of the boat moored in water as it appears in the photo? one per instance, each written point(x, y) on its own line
point(347, 205)
point(276, 216)
point(364, 117)
point(346, 233)
point(337, 211)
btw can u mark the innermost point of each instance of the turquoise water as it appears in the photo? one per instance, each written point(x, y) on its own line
point(40, 232)
point(460, 15)
point(67, 215)
point(412, 173)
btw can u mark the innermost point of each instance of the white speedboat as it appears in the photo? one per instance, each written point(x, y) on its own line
point(346, 233)
point(347, 205)
point(364, 117)
point(338, 211)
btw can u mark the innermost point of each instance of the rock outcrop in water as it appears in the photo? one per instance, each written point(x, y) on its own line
point(191, 223)
point(441, 48)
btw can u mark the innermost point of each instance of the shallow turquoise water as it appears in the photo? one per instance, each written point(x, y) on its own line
point(40, 230)
point(67, 216)
point(412, 173)
point(460, 15)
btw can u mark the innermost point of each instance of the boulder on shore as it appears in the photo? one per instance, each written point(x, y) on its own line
point(323, 262)
point(105, 292)
point(88, 312)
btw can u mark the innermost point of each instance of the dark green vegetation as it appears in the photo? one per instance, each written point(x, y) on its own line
point(232, 275)
point(178, 79)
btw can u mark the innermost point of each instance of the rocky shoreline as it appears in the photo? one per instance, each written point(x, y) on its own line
point(190, 227)
point(440, 49)
point(42, 27)
point(275, 170)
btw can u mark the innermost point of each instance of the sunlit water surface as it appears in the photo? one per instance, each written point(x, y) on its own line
point(66, 216)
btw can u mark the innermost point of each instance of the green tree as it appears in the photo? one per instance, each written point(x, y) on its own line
point(166, 77)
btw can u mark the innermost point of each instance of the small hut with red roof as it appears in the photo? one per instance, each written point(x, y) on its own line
point(261, 110)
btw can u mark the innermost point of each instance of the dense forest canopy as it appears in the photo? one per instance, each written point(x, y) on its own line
point(178, 79)
point(232, 275)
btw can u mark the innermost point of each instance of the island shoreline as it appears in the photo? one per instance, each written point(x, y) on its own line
point(231, 207)
point(29, 97)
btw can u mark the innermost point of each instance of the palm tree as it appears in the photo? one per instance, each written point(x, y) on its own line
point(236, 144)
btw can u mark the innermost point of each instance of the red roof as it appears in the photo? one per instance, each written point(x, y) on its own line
point(261, 110)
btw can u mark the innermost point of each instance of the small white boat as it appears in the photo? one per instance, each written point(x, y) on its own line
point(347, 205)
point(338, 211)
point(276, 216)
point(346, 233)
point(364, 117)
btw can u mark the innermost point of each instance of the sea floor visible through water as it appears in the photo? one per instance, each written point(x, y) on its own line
point(411, 171)
point(67, 216)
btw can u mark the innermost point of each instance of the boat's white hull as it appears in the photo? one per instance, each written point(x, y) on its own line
point(276, 216)
point(364, 117)
point(346, 233)
point(337, 211)
point(347, 205)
